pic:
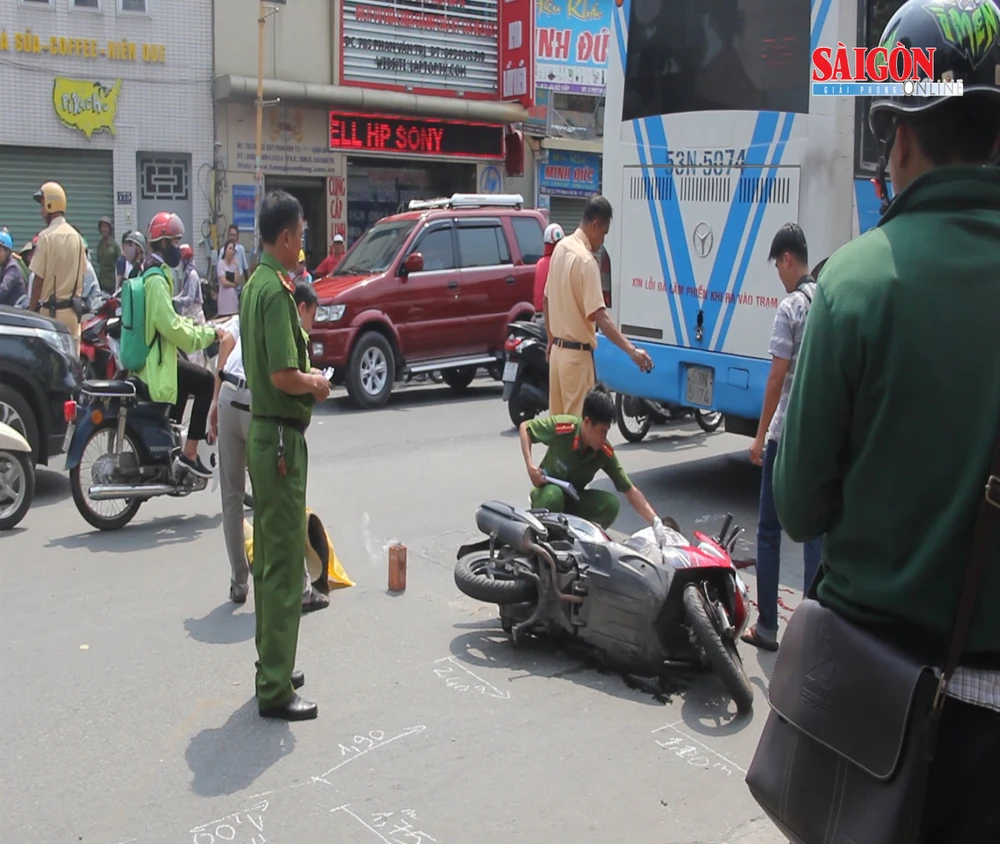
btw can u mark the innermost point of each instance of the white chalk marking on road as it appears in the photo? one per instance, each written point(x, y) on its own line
point(347, 811)
point(373, 745)
point(483, 686)
point(685, 736)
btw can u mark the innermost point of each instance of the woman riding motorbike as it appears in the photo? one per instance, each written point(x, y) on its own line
point(168, 379)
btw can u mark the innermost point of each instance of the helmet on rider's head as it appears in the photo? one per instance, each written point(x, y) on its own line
point(136, 238)
point(6, 240)
point(187, 253)
point(964, 37)
point(966, 44)
point(165, 226)
point(553, 233)
point(51, 197)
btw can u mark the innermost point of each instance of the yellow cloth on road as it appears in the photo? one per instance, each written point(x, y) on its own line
point(319, 550)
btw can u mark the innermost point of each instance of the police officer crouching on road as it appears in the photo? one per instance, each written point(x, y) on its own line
point(283, 391)
point(578, 448)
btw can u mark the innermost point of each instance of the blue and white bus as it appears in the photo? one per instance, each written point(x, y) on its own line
point(713, 141)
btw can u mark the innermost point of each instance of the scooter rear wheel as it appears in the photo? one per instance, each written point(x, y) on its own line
point(721, 654)
point(77, 480)
point(477, 576)
point(642, 423)
point(520, 411)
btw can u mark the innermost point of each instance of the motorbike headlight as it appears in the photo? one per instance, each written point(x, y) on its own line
point(329, 313)
point(57, 340)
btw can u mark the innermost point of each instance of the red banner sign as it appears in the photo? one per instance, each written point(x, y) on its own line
point(516, 51)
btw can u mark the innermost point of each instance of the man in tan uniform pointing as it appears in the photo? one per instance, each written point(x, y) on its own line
point(574, 310)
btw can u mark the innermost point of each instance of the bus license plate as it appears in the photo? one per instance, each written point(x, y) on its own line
point(510, 371)
point(700, 385)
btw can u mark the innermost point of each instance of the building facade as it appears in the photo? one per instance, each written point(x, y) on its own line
point(111, 98)
point(369, 105)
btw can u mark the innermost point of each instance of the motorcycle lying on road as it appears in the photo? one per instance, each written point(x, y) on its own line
point(635, 416)
point(526, 372)
point(644, 610)
point(17, 477)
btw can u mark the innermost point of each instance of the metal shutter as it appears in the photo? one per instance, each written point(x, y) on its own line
point(566, 212)
point(86, 175)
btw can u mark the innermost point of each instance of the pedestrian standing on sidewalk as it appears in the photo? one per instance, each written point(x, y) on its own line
point(59, 263)
point(229, 422)
point(791, 257)
point(230, 277)
point(574, 309)
point(108, 254)
point(283, 391)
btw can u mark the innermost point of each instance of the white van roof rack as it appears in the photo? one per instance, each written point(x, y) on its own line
point(469, 200)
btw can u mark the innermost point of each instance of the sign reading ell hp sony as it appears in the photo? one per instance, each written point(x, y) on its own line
point(365, 133)
point(436, 46)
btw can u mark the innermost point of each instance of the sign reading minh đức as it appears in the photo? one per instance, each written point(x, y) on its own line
point(88, 107)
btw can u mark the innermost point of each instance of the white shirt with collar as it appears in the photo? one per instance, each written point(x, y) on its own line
point(234, 363)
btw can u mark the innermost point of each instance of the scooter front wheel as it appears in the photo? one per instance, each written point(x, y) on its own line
point(111, 514)
point(708, 420)
point(633, 427)
point(519, 410)
point(485, 579)
point(18, 475)
point(721, 654)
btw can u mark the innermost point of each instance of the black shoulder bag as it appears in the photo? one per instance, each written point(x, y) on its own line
point(853, 727)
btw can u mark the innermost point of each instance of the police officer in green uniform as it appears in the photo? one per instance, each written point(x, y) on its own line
point(283, 390)
point(577, 450)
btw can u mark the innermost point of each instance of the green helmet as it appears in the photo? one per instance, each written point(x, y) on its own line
point(965, 35)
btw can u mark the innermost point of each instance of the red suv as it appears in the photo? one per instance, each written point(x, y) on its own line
point(428, 290)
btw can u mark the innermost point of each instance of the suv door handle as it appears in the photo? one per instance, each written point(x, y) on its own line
point(453, 285)
point(510, 279)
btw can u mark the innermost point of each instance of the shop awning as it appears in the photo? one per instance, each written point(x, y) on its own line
point(368, 100)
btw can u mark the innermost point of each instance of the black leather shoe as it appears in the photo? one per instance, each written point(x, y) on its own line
point(296, 709)
point(298, 679)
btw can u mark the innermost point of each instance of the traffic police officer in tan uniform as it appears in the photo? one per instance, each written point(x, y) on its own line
point(283, 391)
point(574, 309)
point(577, 449)
point(59, 263)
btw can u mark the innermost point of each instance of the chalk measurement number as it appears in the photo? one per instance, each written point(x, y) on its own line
point(689, 753)
point(362, 743)
point(454, 681)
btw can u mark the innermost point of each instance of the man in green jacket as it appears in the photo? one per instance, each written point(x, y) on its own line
point(896, 405)
point(282, 393)
point(167, 379)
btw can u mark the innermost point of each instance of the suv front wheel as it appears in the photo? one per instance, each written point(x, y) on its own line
point(371, 370)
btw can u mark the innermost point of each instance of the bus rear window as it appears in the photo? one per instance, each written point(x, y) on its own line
point(717, 55)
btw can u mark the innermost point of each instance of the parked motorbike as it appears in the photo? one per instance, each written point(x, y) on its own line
point(17, 477)
point(636, 416)
point(96, 356)
point(645, 610)
point(526, 372)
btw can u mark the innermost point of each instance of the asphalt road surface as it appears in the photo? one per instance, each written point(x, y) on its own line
point(126, 676)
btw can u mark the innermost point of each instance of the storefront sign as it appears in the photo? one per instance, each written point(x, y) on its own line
point(367, 133)
point(433, 46)
point(85, 106)
point(244, 207)
point(517, 46)
point(336, 189)
point(28, 43)
point(572, 45)
point(294, 142)
point(490, 179)
point(570, 174)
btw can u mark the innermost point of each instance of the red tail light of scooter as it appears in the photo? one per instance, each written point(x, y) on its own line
point(511, 344)
point(69, 411)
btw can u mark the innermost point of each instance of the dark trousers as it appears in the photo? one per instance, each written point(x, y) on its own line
point(194, 381)
point(963, 798)
point(769, 547)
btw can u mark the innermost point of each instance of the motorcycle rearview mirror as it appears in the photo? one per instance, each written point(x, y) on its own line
point(737, 533)
point(725, 529)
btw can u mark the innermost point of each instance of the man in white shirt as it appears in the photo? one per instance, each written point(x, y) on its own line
point(229, 424)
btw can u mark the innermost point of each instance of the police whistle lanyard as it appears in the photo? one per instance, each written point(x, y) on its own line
point(881, 186)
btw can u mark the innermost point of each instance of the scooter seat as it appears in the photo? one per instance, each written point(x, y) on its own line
point(116, 389)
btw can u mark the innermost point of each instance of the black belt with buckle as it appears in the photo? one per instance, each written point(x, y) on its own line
point(240, 406)
point(294, 424)
point(229, 378)
point(572, 345)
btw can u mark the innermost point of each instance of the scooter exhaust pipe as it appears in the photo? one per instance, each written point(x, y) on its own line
point(109, 492)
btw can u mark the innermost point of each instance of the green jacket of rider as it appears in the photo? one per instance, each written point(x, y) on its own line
point(894, 412)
